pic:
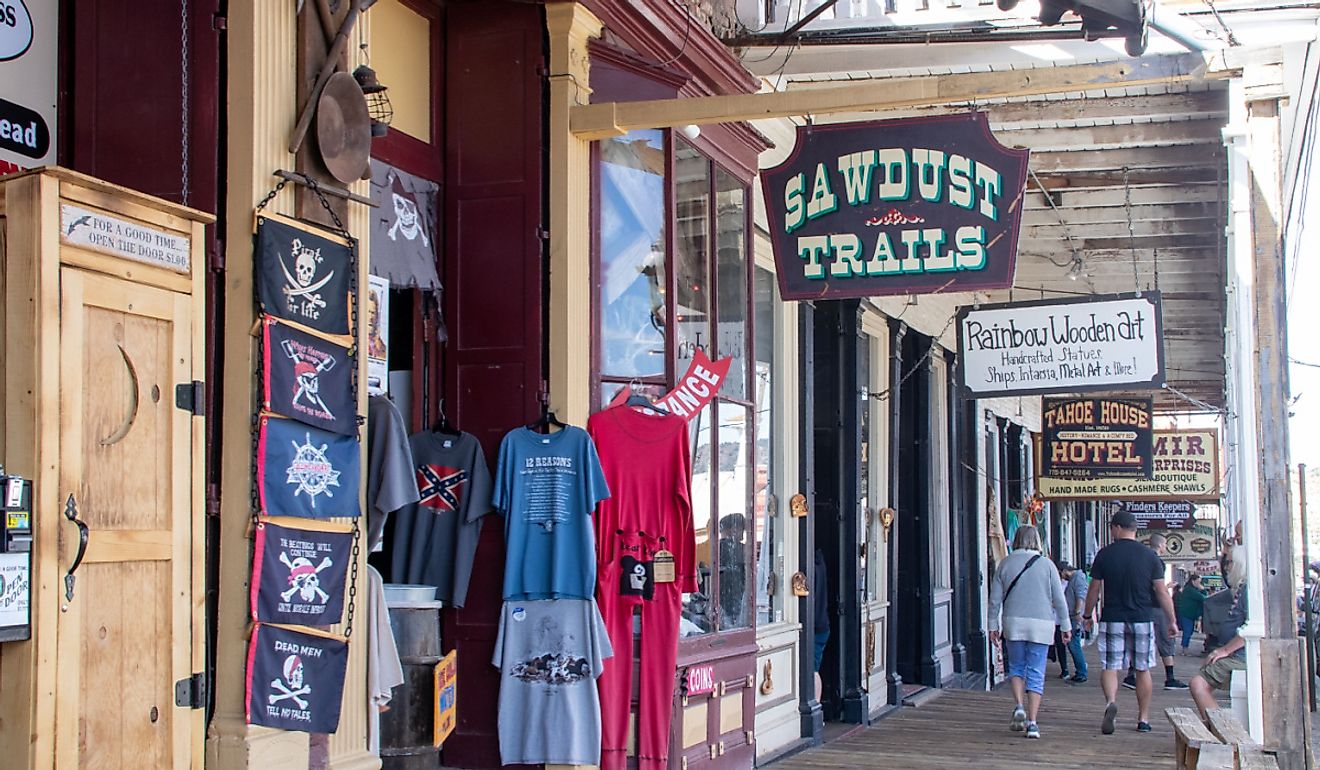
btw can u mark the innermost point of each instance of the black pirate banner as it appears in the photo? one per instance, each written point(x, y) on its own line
point(303, 276)
point(298, 575)
point(295, 680)
point(308, 378)
point(306, 472)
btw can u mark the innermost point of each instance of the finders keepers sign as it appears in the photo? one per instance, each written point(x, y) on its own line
point(1096, 438)
point(1104, 342)
point(910, 206)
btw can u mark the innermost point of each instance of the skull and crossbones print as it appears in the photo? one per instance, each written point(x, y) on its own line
point(304, 578)
point(301, 283)
point(406, 221)
point(295, 689)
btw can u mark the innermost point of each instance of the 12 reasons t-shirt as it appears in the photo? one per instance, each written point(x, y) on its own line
point(547, 486)
point(1129, 569)
point(433, 541)
point(550, 653)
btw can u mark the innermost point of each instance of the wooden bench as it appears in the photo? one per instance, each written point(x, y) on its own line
point(1195, 747)
point(1250, 756)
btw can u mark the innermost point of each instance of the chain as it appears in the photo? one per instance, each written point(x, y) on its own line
point(1132, 233)
point(184, 173)
point(353, 577)
point(353, 329)
point(916, 367)
point(270, 196)
point(339, 223)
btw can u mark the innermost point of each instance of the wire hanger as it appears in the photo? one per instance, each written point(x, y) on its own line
point(442, 424)
point(638, 399)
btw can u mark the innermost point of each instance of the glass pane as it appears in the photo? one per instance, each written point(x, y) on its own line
point(731, 277)
point(692, 253)
point(733, 488)
point(632, 254)
point(864, 512)
point(769, 533)
point(698, 614)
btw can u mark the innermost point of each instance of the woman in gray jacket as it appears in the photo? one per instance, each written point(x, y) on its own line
point(1027, 590)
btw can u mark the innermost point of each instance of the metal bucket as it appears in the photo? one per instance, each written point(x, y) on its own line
point(407, 730)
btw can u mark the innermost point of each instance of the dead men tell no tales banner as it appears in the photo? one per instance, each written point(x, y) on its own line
point(911, 206)
point(295, 680)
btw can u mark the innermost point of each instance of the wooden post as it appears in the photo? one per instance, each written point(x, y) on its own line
point(1286, 720)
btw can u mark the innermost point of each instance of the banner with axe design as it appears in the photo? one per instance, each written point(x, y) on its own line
point(303, 274)
point(308, 378)
point(295, 679)
point(298, 574)
point(306, 472)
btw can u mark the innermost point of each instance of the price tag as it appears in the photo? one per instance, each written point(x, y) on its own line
point(662, 566)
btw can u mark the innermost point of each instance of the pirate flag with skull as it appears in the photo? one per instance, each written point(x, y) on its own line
point(298, 575)
point(295, 680)
point(305, 472)
point(303, 276)
point(308, 378)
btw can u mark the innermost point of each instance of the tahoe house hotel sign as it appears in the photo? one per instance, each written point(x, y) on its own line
point(1185, 466)
point(1105, 342)
point(910, 206)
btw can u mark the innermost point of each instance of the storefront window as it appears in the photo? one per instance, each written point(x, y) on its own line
point(701, 287)
point(731, 283)
point(632, 255)
point(692, 257)
point(769, 602)
point(698, 612)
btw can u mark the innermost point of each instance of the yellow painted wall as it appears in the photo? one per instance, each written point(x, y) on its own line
point(400, 52)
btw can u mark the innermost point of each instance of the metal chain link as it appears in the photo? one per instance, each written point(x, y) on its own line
point(270, 196)
point(185, 102)
point(1132, 233)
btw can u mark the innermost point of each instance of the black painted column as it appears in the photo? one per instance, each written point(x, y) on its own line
point(812, 717)
point(856, 700)
point(924, 381)
point(974, 635)
point(962, 568)
point(897, 330)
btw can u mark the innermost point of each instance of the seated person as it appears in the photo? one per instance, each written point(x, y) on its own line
point(1217, 673)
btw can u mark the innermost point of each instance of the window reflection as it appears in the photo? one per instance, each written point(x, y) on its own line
point(731, 277)
point(733, 485)
point(632, 261)
point(692, 257)
point(769, 602)
point(698, 615)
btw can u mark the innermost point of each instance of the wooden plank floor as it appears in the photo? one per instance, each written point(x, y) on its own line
point(962, 729)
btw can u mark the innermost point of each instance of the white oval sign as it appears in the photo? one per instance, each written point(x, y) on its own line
point(15, 29)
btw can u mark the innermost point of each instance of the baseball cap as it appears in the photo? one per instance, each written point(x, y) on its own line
point(1123, 519)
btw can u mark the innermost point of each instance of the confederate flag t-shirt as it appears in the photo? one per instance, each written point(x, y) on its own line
point(434, 540)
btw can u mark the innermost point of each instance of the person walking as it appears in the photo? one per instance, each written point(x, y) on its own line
point(1189, 604)
point(1025, 598)
point(1074, 595)
point(1165, 643)
point(1131, 578)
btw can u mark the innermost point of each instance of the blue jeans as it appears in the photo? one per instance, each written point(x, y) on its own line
point(1186, 624)
point(1075, 649)
point(1026, 661)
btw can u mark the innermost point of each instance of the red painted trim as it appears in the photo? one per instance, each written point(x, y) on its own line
point(615, 56)
point(251, 658)
point(265, 362)
point(422, 156)
point(258, 542)
point(658, 29)
point(261, 477)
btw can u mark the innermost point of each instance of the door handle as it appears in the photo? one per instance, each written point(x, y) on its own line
point(71, 513)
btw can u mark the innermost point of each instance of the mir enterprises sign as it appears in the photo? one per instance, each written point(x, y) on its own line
point(910, 206)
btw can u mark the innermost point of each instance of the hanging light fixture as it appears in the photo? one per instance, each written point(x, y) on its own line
point(378, 101)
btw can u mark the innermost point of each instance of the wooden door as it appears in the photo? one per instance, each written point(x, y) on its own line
point(133, 626)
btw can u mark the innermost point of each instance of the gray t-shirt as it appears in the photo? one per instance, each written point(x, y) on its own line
point(549, 653)
point(390, 480)
point(435, 539)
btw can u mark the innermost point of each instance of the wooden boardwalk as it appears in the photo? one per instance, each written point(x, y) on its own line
point(962, 729)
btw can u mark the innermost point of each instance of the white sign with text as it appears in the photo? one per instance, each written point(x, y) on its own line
point(1061, 346)
point(109, 234)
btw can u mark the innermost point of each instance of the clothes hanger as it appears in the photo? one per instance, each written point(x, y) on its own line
point(640, 401)
point(547, 420)
point(442, 424)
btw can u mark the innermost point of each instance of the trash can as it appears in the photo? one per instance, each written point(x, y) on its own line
point(407, 730)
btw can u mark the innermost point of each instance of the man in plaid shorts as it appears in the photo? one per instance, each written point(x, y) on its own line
point(1131, 577)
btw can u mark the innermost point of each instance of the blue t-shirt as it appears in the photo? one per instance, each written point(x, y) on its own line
point(547, 486)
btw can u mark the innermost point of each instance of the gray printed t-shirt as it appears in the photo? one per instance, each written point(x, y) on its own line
point(390, 481)
point(549, 653)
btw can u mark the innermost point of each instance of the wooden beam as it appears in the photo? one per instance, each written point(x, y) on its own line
point(1112, 177)
point(1206, 241)
point(599, 121)
point(1050, 108)
point(1081, 215)
point(1123, 136)
point(1172, 226)
point(1175, 156)
point(1116, 196)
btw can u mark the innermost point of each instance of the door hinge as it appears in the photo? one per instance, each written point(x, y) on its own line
point(191, 397)
point(219, 22)
point(191, 692)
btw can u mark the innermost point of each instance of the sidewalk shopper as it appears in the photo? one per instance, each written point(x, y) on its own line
point(1074, 595)
point(1131, 577)
point(1188, 606)
point(1217, 673)
point(1027, 590)
point(1165, 642)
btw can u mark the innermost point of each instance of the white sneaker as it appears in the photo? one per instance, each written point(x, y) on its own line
point(1019, 722)
point(1032, 730)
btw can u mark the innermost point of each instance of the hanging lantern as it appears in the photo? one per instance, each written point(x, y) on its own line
point(378, 101)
